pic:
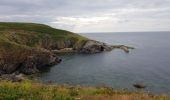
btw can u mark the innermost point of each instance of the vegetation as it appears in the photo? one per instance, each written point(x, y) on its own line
point(28, 90)
point(31, 34)
point(22, 44)
point(29, 45)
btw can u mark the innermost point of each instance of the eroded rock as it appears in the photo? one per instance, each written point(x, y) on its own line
point(33, 64)
point(27, 61)
point(92, 46)
point(12, 77)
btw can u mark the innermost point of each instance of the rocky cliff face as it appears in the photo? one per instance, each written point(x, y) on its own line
point(91, 46)
point(38, 62)
point(28, 48)
point(57, 45)
point(25, 60)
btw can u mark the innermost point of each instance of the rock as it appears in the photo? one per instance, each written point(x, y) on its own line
point(139, 86)
point(29, 66)
point(13, 77)
point(123, 47)
point(27, 61)
point(7, 66)
point(92, 46)
point(17, 78)
point(1, 72)
point(57, 45)
point(65, 50)
point(38, 62)
point(70, 43)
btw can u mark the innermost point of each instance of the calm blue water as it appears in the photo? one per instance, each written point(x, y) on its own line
point(149, 63)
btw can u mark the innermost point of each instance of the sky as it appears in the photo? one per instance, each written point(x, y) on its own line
point(90, 15)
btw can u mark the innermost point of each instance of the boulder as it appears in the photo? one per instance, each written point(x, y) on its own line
point(139, 86)
point(17, 78)
point(13, 77)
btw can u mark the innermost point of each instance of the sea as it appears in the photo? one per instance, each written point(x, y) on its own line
point(148, 63)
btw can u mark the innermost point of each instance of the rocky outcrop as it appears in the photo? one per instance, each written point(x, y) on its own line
point(33, 64)
point(92, 46)
point(27, 61)
point(51, 44)
point(65, 50)
point(122, 47)
point(139, 86)
point(12, 77)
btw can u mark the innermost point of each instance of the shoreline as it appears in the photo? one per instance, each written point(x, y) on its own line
point(35, 90)
point(20, 78)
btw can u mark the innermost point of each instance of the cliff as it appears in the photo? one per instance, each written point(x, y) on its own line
point(26, 47)
point(29, 47)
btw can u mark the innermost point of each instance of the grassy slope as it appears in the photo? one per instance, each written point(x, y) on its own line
point(21, 40)
point(30, 34)
point(39, 28)
point(18, 37)
point(37, 91)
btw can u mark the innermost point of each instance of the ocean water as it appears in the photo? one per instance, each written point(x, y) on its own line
point(148, 64)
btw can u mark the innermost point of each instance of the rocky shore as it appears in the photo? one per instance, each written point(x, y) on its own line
point(92, 46)
point(27, 61)
point(29, 48)
point(32, 61)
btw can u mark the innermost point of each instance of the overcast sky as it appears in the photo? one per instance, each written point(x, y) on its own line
point(90, 15)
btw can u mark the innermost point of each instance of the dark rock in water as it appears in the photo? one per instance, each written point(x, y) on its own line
point(139, 86)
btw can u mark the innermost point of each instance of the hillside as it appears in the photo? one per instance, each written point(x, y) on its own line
point(38, 35)
point(29, 47)
point(26, 47)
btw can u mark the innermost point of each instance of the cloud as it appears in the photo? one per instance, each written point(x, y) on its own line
point(90, 15)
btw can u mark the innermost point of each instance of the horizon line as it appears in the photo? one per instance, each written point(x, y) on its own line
point(120, 32)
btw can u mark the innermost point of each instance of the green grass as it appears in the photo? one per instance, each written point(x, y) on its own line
point(31, 34)
point(39, 28)
point(28, 90)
